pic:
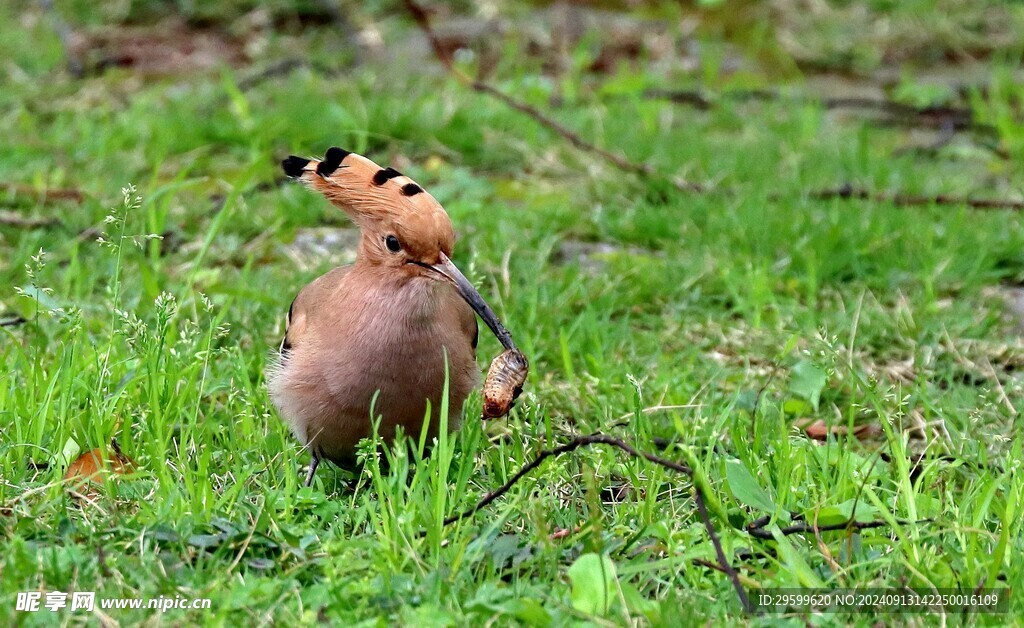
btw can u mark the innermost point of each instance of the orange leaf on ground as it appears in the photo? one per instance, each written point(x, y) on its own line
point(88, 466)
point(820, 430)
point(563, 533)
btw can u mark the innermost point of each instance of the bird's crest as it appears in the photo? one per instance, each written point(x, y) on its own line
point(360, 187)
point(377, 199)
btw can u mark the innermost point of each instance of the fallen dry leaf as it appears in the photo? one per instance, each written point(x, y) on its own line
point(167, 48)
point(88, 466)
point(563, 533)
point(820, 430)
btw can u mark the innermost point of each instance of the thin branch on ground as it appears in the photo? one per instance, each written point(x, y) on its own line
point(847, 191)
point(931, 116)
point(283, 67)
point(937, 116)
point(703, 562)
point(940, 113)
point(13, 322)
point(944, 117)
point(13, 219)
point(756, 528)
point(723, 561)
point(918, 460)
point(802, 527)
point(422, 19)
point(53, 194)
point(602, 439)
point(574, 444)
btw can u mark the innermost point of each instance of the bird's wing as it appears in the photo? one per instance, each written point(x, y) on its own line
point(306, 305)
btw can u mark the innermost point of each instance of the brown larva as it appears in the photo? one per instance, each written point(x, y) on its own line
point(504, 382)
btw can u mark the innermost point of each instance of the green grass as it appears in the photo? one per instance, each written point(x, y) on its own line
point(745, 309)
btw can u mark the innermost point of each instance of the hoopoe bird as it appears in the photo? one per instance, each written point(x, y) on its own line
point(373, 338)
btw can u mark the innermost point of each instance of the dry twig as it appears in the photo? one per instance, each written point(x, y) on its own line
point(756, 528)
point(847, 191)
point(422, 19)
point(959, 118)
point(12, 219)
point(602, 439)
point(54, 194)
point(802, 527)
point(723, 562)
point(931, 116)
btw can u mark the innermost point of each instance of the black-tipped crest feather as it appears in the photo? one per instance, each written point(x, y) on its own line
point(294, 165)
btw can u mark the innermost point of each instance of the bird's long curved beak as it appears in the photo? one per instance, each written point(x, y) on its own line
point(466, 290)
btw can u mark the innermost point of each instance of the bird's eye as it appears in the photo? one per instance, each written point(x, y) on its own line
point(392, 243)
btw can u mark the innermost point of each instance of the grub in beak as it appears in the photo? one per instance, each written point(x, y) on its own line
point(504, 383)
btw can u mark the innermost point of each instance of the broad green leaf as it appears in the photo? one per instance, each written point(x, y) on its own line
point(827, 516)
point(69, 452)
point(862, 509)
point(745, 488)
point(796, 407)
point(807, 381)
point(529, 610)
point(593, 584)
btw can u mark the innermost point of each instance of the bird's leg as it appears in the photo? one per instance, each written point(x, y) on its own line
point(313, 464)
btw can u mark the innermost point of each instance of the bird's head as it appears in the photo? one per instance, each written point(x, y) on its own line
point(403, 227)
